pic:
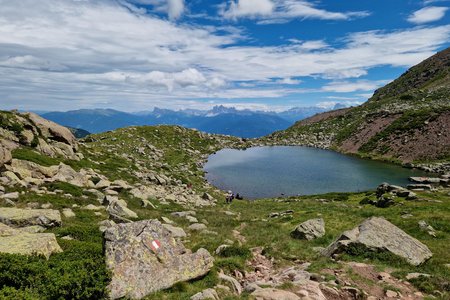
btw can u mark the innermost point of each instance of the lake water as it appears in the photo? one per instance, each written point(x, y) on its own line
point(265, 172)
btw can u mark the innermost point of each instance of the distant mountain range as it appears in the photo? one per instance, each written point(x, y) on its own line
point(220, 119)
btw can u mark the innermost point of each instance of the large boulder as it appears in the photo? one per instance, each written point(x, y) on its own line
point(52, 130)
point(377, 234)
point(15, 241)
point(28, 217)
point(309, 230)
point(274, 294)
point(144, 257)
point(5, 155)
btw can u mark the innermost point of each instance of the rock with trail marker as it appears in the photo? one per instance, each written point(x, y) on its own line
point(145, 257)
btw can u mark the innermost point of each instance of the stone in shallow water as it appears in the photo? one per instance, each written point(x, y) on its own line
point(144, 257)
point(377, 234)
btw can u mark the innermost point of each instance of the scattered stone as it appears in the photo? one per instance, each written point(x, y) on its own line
point(92, 207)
point(147, 203)
point(16, 241)
point(68, 213)
point(103, 183)
point(26, 217)
point(192, 219)
point(235, 285)
point(391, 294)
point(32, 229)
point(167, 220)
point(46, 205)
point(428, 228)
point(207, 196)
point(119, 208)
point(10, 196)
point(274, 294)
point(183, 214)
point(138, 251)
point(229, 213)
point(206, 295)
point(197, 227)
point(425, 179)
point(309, 230)
point(177, 232)
point(420, 187)
point(377, 234)
point(410, 276)
point(221, 248)
point(105, 224)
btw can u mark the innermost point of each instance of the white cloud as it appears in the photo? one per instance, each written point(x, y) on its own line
point(248, 8)
point(175, 8)
point(288, 80)
point(279, 11)
point(75, 54)
point(332, 104)
point(427, 15)
point(349, 86)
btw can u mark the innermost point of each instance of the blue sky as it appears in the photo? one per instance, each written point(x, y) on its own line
point(133, 55)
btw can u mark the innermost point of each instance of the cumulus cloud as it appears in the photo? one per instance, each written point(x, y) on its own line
point(353, 86)
point(427, 15)
point(175, 8)
point(279, 11)
point(73, 52)
point(248, 8)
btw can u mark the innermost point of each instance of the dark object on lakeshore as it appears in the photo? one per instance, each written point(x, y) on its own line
point(239, 197)
point(229, 197)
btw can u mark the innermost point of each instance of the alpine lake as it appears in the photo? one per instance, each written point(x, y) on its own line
point(268, 172)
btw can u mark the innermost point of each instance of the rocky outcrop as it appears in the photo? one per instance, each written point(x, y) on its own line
point(5, 155)
point(377, 234)
point(16, 241)
point(52, 130)
point(27, 217)
point(309, 230)
point(144, 257)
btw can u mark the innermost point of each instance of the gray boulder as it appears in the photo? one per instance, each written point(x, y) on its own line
point(15, 241)
point(119, 208)
point(309, 230)
point(27, 217)
point(207, 294)
point(144, 257)
point(5, 155)
point(377, 234)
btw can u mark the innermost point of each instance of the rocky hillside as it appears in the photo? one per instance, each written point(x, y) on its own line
point(128, 214)
point(406, 121)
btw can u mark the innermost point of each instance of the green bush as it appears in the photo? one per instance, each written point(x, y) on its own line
point(66, 187)
point(77, 273)
point(232, 251)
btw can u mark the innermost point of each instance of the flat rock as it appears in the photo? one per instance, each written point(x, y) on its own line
point(377, 234)
point(207, 294)
point(15, 241)
point(197, 227)
point(119, 208)
point(309, 230)
point(177, 232)
point(68, 213)
point(144, 257)
point(27, 217)
point(274, 294)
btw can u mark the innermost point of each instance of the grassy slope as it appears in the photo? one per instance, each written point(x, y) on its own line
point(419, 95)
point(79, 271)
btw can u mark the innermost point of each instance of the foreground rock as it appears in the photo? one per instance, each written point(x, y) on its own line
point(309, 230)
point(144, 257)
point(27, 217)
point(377, 234)
point(15, 241)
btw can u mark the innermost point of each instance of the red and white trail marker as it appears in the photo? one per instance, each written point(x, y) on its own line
point(155, 245)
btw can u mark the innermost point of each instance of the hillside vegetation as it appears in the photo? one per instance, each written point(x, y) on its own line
point(406, 121)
